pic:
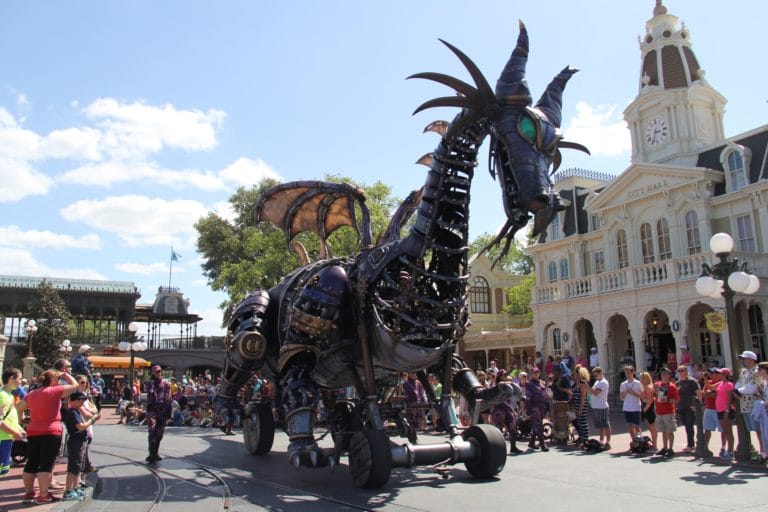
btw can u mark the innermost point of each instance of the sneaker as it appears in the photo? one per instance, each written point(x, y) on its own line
point(29, 497)
point(688, 449)
point(669, 453)
point(47, 499)
point(71, 495)
point(722, 453)
point(607, 446)
point(727, 455)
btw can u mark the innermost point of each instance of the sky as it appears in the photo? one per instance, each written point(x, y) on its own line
point(123, 123)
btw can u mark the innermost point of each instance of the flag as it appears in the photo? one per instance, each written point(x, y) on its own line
point(174, 255)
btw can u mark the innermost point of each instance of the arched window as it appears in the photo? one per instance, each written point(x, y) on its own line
point(621, 249)
point(557, 342)
point(736, 171)
point(552, 271)
point(646, 242)
point(563, 269)
point(480, 296)
point(692, 232)
point(662, 234)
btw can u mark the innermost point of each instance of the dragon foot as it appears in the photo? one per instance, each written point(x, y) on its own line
point(306, 453)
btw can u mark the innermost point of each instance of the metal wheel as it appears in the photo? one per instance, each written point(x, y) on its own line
point(492, 451)
point(547, 427)
point(370, 458)
point(259, 430)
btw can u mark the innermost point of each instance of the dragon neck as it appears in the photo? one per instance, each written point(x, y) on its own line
point(440, 233)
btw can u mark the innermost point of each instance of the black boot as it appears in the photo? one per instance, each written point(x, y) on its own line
point(542, 445)
point(513, 443)
point(150, 449)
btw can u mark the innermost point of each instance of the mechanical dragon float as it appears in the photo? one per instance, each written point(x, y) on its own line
point(400, 304)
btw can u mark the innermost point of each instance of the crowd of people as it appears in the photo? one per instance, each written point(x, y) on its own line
point(562, 392)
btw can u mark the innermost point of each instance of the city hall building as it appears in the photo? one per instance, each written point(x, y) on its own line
point(617, 269)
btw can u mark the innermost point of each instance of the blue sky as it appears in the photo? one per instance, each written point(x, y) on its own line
point(122, 123)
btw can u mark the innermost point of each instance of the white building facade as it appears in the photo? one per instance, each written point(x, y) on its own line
point(617, 269)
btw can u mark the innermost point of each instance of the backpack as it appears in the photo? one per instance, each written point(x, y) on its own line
point(640, 444)
point(592, 446)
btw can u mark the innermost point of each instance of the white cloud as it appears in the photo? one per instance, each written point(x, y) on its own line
point(72, 143)
point(140, 220)
point(24, 264)
point(600, 128)
point(211, 323)
point(134, 130)
point(20, 180)
point(12, 236)
point(247, 172)
point(147, 269)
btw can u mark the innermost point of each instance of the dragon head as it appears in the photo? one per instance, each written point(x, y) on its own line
point(525, 138)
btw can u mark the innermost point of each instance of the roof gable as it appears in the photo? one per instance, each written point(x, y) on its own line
point(640, 181)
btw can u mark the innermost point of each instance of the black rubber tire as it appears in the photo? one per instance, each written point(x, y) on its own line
point(370, 458)
point(492, 451)
point(259, 430)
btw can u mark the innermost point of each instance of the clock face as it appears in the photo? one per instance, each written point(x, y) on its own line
point(657, 131)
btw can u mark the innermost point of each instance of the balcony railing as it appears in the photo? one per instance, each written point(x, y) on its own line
point(652, 274)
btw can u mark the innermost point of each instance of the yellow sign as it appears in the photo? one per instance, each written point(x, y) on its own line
point(716, 321)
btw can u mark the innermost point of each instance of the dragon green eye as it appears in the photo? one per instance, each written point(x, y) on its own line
point(527, 128)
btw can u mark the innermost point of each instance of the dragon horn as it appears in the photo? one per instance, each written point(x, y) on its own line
point(511, 88)
point(551, 102)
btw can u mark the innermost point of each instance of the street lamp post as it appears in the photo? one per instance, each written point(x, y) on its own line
point(133, 346)
point(724, 279)
point(65, 348)
point(29, 360)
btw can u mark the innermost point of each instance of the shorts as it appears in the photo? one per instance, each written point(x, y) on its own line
point(650, 415)
point(751, 424)
point(41, 453)
point(711, 423)
point(600, 417)
point(632, 418)
point(666, 423)
point(76, 458)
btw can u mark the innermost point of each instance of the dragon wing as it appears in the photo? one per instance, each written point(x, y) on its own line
point(400, 217)
point(316, 206)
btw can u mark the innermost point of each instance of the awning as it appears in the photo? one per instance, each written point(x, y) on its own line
point(117, 362)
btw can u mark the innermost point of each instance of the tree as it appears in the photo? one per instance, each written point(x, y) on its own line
point(241, 255)
point(519, 298)
point(52, 317)
point(515, 262)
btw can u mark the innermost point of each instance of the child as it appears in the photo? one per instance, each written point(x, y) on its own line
point(76, 446)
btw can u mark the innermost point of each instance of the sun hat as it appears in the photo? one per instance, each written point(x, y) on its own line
point(748, 354)
point(84, 348)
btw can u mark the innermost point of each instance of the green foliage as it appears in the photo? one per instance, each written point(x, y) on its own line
point(52, 317)
point(515, 262)
point(519, 298)
point(241, 255)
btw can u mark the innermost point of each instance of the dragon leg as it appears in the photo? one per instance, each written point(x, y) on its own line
point(246, 350)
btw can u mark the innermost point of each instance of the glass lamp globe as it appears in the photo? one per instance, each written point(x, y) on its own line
point(717, 291)
point(133, 327)
point(720, 243)
point(754, 284)
point(124, 346)
point(136, 346)
point(66, 343)
point(738, 281)
point(31, 323)
point(705, 285)
point(143, 345)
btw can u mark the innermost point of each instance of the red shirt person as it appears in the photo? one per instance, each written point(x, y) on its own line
point(667, 397)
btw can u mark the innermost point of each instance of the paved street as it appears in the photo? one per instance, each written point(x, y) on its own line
point(230, 476)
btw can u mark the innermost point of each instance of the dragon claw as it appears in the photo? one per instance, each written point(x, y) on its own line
point(308, 454)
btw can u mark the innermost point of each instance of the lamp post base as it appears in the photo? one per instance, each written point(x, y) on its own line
point(744, 446)
point(702, 451)
point(28, 372)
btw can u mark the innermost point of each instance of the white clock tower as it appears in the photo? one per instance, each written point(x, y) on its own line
point(676, 112)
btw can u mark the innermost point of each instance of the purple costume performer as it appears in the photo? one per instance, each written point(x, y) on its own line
point(158, 412)
point(536, 405)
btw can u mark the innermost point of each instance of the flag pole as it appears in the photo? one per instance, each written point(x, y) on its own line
point(170, 271)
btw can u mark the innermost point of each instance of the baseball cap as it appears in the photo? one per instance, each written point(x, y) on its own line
point(683, 347)
point(84, 348)
point(748, 354)
point(593, 349)
point(155, 368)
point(77, 395)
